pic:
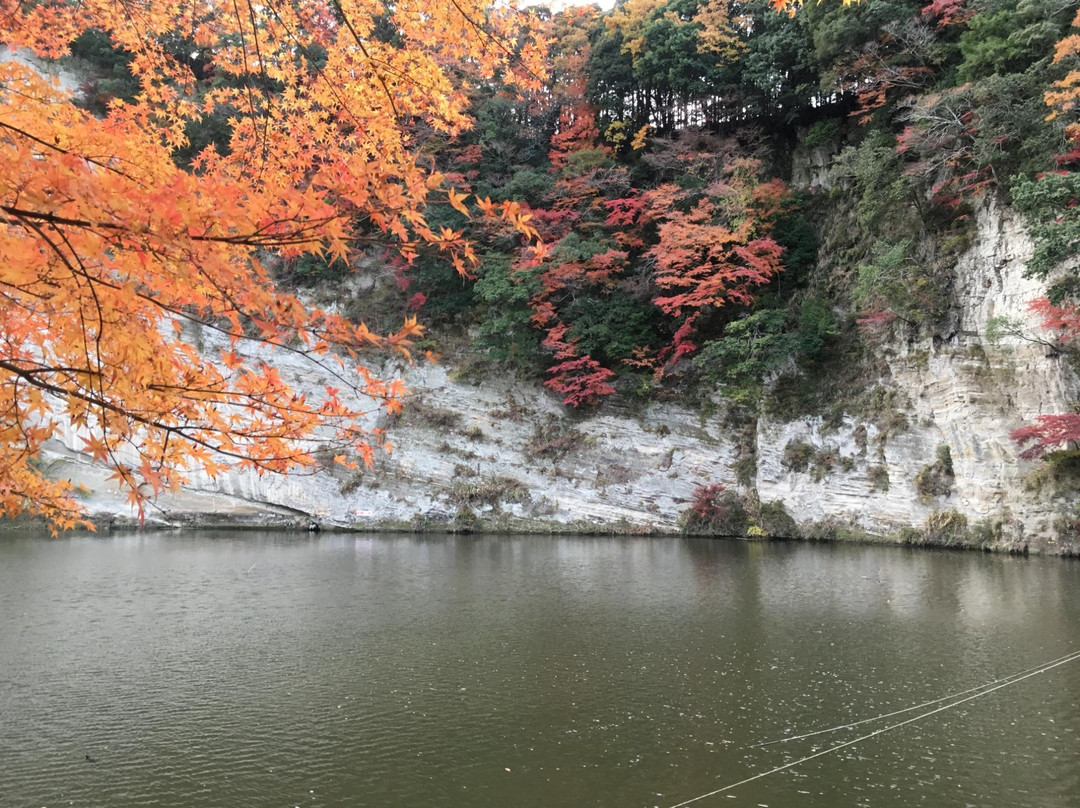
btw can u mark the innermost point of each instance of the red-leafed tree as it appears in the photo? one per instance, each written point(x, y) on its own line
point(942, 141)
point(947, 12)
point(577, 258)
point(684, 252)
point(1047, 434)
point(712, 249)
point(1052, 433)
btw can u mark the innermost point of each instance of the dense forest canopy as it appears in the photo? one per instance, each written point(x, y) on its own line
point(677, 254)
point(602, 200)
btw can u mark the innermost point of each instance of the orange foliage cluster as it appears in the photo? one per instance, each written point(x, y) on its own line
point(710, 260)
point(716, 253)
point(108, 248)
point(1064, 98)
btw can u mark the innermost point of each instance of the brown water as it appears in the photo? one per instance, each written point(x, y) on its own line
point(271, 670)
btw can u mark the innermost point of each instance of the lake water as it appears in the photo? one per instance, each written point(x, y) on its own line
point(282, 670)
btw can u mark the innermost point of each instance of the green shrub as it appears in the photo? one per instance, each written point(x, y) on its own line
point(776, 521)
point(797, 456)
point(822, 133)
point(879, 478)
point(989, 531)
point(946, 529)
point(823, 462)
point(506, 331)
point(944, 458)
point(883, 194)
point(745, 469)
point(1053, 221)
point(910, 535)
point(816, 325)
point(715, 511)
point(751, 347)
point(936, 479)
point(1006, 41)
point(794, 232)
point(529, 185)
point(608, 328)
point(1059, 473)
point(110, 77)
point(1067, 523)
point(897, 281)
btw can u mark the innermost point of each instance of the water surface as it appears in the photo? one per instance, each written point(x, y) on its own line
point(273, 670)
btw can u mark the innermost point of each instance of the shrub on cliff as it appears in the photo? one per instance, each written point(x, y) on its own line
point(715, 511)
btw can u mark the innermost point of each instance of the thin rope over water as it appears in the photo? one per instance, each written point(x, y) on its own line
point(1009, 680)
point(956, 695)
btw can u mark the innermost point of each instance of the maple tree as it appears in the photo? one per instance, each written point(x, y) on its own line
point(1049, 433)
point(716, 510)
point(943, 136)
point(713, 249)
point(947, 12)
point(1064, 97)
point(110, 251)
point(565, 267)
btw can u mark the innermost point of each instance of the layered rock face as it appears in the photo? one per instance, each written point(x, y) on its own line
point(500, 455)
point(962, 392)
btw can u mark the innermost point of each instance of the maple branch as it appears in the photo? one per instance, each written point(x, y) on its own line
point(251, 239)
point(235, 397)
point(480, 29)
point(247, 71)
point(83, 272)
point(40, 368)
point(104, 165)
point(107, 243)
point(182, 430)
point(363, 49)
point(97, 302)
point(318, 70)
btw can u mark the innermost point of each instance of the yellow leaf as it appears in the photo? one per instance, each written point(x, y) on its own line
point(457, 201)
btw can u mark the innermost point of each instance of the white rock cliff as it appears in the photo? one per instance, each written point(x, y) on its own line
point(504, 455)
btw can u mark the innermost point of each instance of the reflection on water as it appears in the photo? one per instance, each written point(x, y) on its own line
point(265, 670)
